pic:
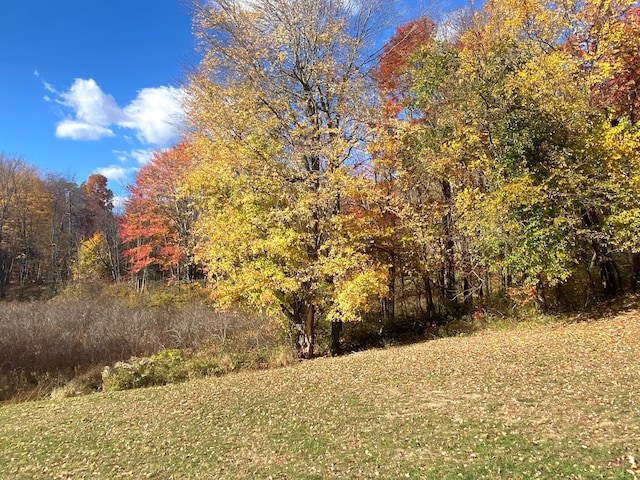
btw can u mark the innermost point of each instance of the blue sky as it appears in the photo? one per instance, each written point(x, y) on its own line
point(93, 86)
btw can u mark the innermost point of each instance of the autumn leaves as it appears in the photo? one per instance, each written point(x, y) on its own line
point(502, 154)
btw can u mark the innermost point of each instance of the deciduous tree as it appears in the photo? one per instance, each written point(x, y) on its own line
point(280, 108)
point(157, 221)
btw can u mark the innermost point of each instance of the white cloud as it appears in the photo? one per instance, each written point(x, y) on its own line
point(155, 115)
point(142, 156)
point(450, 25)
point(81, 130)
point(247, 4)
point(91, 104)
point(116, 173)
point(122, 156)
point(119, 203)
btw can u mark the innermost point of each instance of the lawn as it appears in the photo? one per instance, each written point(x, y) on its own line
point(554, 401)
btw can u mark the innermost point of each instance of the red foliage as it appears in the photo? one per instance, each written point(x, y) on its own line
point(622, 89)
point(393, 72)
point(620, 92)
point(152, 223)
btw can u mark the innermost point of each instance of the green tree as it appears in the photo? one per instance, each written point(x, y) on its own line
point(512, 120)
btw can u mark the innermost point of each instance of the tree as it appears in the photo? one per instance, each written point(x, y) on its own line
point(157, 221)
point(30, 215)
point(280, 108)
point(417, 78)
point(94, 259)
point(66, 204)
point(510, 119)
point(20, 211)
point(395, 71)
point(99, 218)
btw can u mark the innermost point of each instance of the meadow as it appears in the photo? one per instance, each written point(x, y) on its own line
point(558, 400)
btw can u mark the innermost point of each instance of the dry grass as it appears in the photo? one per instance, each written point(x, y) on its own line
point(45, 344)
point(557, 401)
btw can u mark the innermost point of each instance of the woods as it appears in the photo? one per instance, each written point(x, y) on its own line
point(49, 227)
point(329, 176)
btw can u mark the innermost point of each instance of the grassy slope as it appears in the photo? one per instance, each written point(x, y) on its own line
point(559, 401)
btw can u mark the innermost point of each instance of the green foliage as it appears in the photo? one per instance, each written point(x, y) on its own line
point(160, 369)
point(168, 366)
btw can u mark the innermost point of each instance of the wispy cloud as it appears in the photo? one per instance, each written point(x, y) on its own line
point(47, 86)
point(140, 155)
point(155, 115)
point(76, 130)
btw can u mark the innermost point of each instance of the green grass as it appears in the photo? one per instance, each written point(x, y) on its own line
point(553, 401)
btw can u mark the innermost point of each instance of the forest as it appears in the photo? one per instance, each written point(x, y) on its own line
point(482, 161)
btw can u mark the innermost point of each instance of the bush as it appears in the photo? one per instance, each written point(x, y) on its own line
point(169, 366)
point(165, 367)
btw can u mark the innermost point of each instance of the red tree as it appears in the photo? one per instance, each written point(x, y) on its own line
point(617, 55)
point(393, 74)
point(156, 222)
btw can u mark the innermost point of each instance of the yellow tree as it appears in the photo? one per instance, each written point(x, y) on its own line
point(548, 154)
point(280, 108)
point(23, 217)
point(94, 259)
point(31, 215)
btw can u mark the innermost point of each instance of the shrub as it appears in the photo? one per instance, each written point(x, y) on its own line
point(165, 367)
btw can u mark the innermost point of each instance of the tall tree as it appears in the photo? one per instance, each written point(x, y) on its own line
point(65, 201)
point(280, 109)
point(535, 160)
point(157, 221)
point(395, 71)
point(30, 217)
point(16, 180)
point(416, 76)
point(100, 219)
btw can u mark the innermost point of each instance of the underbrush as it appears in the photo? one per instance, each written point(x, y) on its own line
point(97, 337)
point(557, 401)
point(170, 366)
point(62, 345)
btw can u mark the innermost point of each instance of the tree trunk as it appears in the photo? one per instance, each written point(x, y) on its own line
point(428, 292)
point(336, 331)
point(388, 303)
point(635, 280)
point(541, 295)
point(609, 275)
point(449, 274)
point(303, 326)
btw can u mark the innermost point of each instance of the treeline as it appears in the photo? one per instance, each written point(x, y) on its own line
point(489, 156)
point(53, 230)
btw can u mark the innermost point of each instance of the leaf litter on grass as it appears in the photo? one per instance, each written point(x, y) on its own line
point(559, 401)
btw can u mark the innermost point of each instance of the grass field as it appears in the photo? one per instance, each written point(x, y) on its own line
point(554, 401)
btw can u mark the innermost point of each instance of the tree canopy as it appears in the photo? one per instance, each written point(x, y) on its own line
point(325, 178)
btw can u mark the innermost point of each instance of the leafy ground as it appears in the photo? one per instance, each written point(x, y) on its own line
point(555, 401)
